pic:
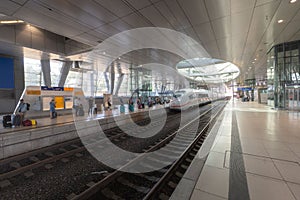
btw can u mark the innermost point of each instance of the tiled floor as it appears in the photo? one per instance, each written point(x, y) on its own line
point(270, 142)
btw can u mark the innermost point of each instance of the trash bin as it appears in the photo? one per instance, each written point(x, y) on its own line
point(131, 107)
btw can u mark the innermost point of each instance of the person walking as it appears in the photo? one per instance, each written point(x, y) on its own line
point(52, 109)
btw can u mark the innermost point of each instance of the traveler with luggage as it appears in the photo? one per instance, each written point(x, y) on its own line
point(22, 109)
point(53, 113)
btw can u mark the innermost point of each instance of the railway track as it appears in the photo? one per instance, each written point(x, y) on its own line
point(179, 149)
point(47, 157)
point(60, 156)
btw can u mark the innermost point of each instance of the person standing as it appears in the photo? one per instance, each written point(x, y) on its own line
point(76, 105)
point(52, 109)
point(91, 104)
point(22, 109)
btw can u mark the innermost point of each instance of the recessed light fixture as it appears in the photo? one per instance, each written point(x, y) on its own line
point(11, 21)
point(119, 58)
point(255, 59)
point(104, 53)
point(280, 21)
point(293, 1)
point(253, 62)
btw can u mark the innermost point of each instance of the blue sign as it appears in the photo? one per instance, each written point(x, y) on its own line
point(52, 88)
point(245, 89)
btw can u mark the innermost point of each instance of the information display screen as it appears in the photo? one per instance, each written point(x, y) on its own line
point(68, 102)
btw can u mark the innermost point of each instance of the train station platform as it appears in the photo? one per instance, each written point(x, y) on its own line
point(47, 132)
point(252, 152)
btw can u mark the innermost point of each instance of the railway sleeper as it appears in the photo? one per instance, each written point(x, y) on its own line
point(149, 178)
point(110, 194)
point(127, 183)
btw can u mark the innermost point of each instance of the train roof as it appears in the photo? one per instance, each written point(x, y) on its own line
point(187, 90)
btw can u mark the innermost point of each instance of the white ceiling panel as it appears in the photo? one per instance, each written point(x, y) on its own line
point(290, 30)
point(135, 21)
point(178, 14)
point(222, 27)
point(195, 11)
point(212, 49)
point(155, 17)
point(95, 9)
point(263, 2)
point(240, 22)
point(120, 25)
point(218, 8)
point(205, 32)
point(238, 45)
point(107, 29)
point(165, 11)
point(8, 7)
point(20, 2)
point(139, 4)
point(240, 6)
point(224, 45)
point(117, 7)
point(53, 25)
point(73, 11)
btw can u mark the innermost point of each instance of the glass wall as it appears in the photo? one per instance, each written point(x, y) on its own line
point(283, 74)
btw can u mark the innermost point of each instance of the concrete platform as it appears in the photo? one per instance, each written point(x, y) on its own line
point(14, 141)
point(253, 152)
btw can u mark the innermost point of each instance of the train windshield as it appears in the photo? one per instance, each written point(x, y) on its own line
point(179, 94)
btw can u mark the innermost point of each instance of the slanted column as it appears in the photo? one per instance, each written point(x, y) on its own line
point(112, 78)
point(64, 73)
point(120, 79)
point(46, 72)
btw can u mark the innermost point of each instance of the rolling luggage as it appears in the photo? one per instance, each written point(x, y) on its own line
point(33, 122)
point(54, 115)
point(131, 108)
point(80, 111)
point(122, 108)
point(27, 122)
point(16, 120)
point(7, 121)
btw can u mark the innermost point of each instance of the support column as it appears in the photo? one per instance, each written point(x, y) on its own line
point(46, 72)
point(106, 78)
point(120, 79)
point(64, 73)
point(112, 78)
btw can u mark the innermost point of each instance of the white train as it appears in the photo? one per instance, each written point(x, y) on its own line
point(187, 98)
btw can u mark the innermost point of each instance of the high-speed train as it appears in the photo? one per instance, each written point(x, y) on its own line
point(186, 98)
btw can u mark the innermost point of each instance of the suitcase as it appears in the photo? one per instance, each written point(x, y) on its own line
point(122, 108)
point(33, 122)
point(131, 108)
point(27, 122)
point(16, 120)
point(7, 121)
point(54, 114)
point(80, 112)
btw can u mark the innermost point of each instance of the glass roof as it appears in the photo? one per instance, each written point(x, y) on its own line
point(209, 70)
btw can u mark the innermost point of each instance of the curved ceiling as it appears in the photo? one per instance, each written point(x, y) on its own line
point(240, 32)
point(208, 70)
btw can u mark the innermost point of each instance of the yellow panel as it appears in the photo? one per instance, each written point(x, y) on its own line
point(68, 89)
point(59, 102)
point(33, 92)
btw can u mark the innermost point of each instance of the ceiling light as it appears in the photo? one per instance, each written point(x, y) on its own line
point(293, 1)
point(253, 62)
point(280, 21)
point(11, 21)
point(255, 59)
point(104, 53)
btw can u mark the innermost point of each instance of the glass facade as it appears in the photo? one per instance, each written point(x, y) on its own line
point(283, 75)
